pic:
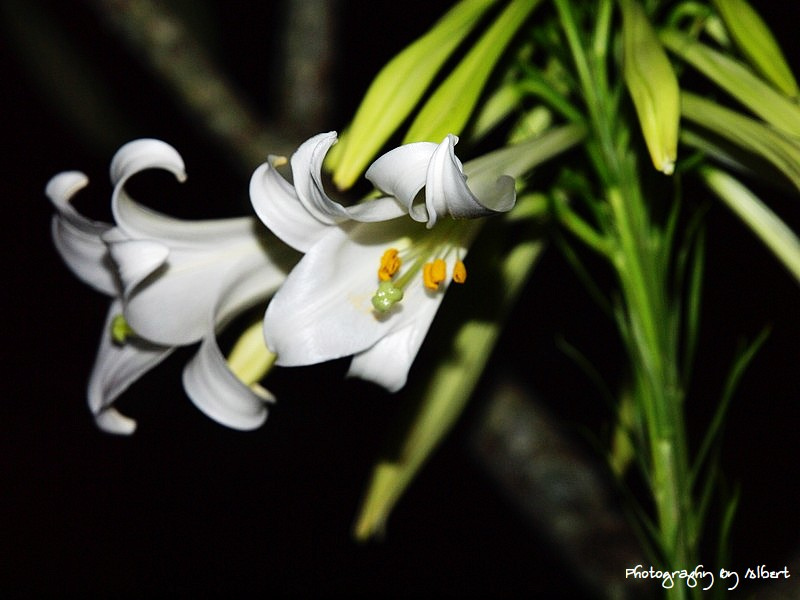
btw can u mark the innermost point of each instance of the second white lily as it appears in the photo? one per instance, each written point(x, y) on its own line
point(172, 282)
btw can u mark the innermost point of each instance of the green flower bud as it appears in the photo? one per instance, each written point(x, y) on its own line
point(652, 85)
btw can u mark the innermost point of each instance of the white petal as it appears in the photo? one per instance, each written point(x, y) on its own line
point(116, 367)
point(140, 155)
point(219, 394)
point(111, 420)
point(387, 362)
point(138, 221)
point(402, 173)
point(277, 205)
point(135, 260)
point(307, 173)
point(211, 385)
point(323, 310)
point(171, 307)
point(447, 193)
point(77, 238)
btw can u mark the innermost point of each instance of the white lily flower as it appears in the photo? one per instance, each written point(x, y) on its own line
point(328, 307)
point(172, 282)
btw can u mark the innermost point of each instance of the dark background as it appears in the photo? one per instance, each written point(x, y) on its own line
point(186, 506)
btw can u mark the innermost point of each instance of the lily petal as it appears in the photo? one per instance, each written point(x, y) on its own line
point(140, 155)
point(307, 172)
point(171, 306)
point(402, 173)
point(277, 205)
point(210, 383)
point(388, 362)
point(219, 394)
point(323, 309)
point(135, 259)
point(77, 238)
point(447, 193)
point(116, 367)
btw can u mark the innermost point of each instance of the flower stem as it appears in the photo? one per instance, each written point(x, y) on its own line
point(638, 253)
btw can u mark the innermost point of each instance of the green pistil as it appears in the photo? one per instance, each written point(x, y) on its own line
point(120, 330)
point(387, 296)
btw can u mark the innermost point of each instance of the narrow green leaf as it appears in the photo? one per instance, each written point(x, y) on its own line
point(775, 234)
point(450, 106)
point(737, 371)
point(444, 396)
point(398, 87)
point(517, 159)
point(779, 149)
point(736, 79)
point(498, 106)
point(757, 43)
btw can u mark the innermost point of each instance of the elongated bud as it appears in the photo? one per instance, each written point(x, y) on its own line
point(397, 89)
point(757, 43)
point(652, 85)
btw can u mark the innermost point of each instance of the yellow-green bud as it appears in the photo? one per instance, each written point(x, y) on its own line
point(652, 85)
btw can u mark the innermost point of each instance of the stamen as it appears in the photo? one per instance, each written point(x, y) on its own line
point(434, 273)
point(388, 295)
point(459, 272)
point(390, 264)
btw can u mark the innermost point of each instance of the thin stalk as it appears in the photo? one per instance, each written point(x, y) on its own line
point(646, 319)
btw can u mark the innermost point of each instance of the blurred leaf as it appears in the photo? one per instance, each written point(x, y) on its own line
point(65, 74)
point(450, 106)
point(397, 88)
point(757, 43)
point(775, 234)
point(445, 394)
point(736, 79)
point(779, 149)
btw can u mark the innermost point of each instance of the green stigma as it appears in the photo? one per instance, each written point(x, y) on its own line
point(120, 330)
point(387, 296)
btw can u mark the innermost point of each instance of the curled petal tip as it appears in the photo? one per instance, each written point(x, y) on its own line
point(111, 420)
point(63, 186)
point(143, 154)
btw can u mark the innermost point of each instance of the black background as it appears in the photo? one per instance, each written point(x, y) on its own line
point(186, 506)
